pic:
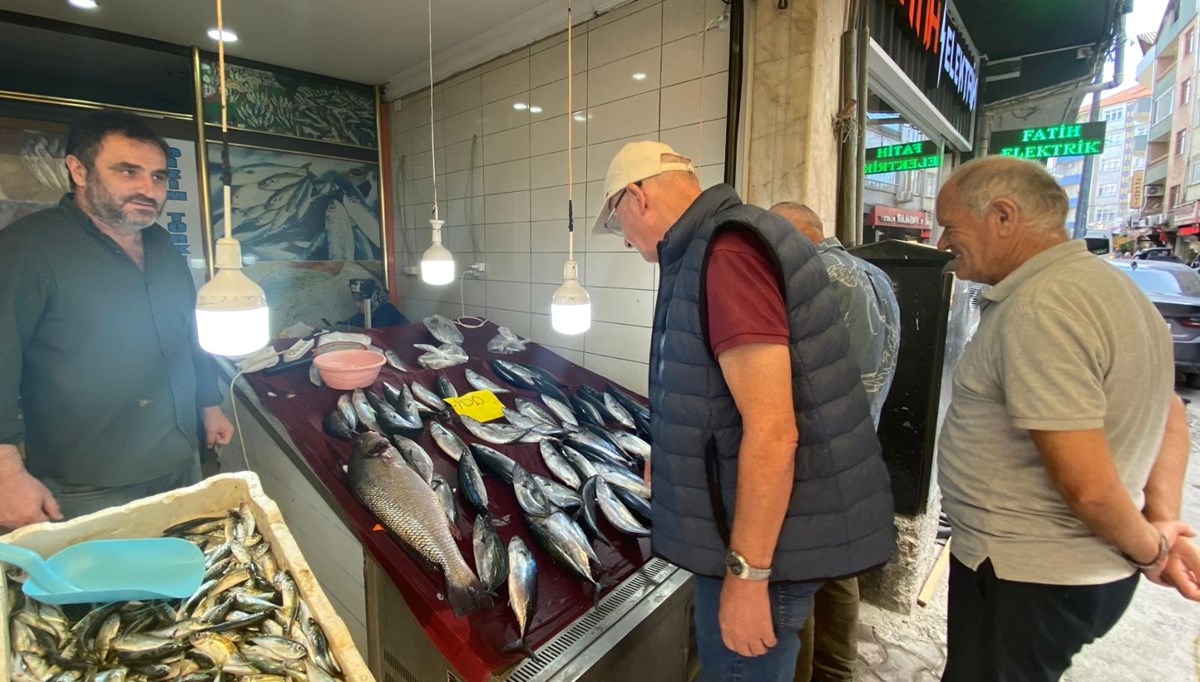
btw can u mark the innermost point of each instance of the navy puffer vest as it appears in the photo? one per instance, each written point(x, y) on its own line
point(839, 518)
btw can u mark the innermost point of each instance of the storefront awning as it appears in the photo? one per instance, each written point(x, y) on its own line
point(889, 216)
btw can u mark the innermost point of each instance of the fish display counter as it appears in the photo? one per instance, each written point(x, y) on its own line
point(473, 515)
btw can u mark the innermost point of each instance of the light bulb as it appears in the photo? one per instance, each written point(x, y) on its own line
point(571, 307)
point(224, 35)
point(437, 265)
point(232, 317)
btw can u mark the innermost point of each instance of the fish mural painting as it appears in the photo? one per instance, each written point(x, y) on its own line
point(295, 207)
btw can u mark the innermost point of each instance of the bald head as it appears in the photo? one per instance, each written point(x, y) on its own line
point(803, 219)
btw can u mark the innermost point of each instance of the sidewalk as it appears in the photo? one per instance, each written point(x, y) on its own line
point(1158, 639)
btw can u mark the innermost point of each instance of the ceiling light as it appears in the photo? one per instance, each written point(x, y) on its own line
point(580, 118)
point(571, 307)
point(520, 106)
point(639, 76)
point(83, 4)
point(437, 265)
point(535, 109)
point(228, 35)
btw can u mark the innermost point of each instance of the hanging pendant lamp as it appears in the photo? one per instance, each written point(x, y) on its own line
point(570, 307)
point(437, 265)
point(232, 317)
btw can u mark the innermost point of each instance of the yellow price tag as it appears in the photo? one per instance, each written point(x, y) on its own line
point(481, 405)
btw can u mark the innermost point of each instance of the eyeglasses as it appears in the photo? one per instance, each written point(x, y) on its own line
point(611, 221)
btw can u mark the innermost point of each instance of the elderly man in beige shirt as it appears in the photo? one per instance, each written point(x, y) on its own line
point(1063, 451)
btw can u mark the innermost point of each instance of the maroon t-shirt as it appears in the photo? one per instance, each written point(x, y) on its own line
point(745, 304)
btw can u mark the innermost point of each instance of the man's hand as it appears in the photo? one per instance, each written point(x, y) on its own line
point(1174, 532)
point(23, 498)
point(217, 429)
point(1183, 569)
point(745, 616)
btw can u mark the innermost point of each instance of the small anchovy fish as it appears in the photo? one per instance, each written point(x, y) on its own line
point(482, 383)
point(491, 561)
point(395, 362)
point(448, 441)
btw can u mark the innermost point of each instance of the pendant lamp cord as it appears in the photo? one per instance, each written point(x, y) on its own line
point(570, 140)
point(226, 168)
point(432, 147)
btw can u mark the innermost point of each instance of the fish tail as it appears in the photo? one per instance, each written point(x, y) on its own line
point(467, 595)
point(522, 645)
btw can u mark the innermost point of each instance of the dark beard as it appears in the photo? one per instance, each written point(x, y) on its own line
point(111, 210)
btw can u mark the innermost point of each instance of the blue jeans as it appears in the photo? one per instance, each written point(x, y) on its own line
point(790, 605)
point(77, 500)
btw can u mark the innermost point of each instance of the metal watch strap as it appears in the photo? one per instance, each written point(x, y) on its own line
point(746, 571)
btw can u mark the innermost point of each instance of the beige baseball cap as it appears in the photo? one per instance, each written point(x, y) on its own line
point(637, 161)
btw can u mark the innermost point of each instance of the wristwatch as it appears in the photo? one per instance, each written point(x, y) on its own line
point(738, 568)
point(1164, 550)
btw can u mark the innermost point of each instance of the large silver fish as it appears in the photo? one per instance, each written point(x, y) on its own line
point(415, 456)
point(631, 443)
point(618, 411)
point(346, 407)
point(559, 495)
point(445, 388)
point(615, 475)
point(366, 413)
point(491, 561)
point(494, 461)
point(470, 482)
point(556, 536)
point(411, 510)
point(428, 398)
point(535, 411)
point(560, 409)
point(522, 589)
point(558, 465)
point(445, 495)
point(498, 434)
point(530, 496)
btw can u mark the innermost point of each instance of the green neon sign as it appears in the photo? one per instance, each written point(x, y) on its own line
point(1066, 139)
point(902, 157)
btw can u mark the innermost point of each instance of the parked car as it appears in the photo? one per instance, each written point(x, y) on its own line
point(1159, 253)
point(1174, 289)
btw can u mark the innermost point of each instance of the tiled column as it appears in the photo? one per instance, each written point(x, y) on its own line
point(794, 65)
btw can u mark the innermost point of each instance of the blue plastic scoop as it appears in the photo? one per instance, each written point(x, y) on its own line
point(100, 571)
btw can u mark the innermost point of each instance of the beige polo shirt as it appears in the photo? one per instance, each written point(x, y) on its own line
point(1065, 342)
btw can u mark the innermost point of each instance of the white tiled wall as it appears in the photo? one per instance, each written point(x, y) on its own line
point(502, 171)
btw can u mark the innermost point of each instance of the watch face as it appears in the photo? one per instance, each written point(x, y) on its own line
point(735, 566)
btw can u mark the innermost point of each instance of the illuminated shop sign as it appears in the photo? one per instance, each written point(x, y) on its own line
point(937, 34)
point(903, 157)
point(1067, 139)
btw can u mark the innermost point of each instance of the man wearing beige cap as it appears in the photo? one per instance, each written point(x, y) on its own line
point(767, 475)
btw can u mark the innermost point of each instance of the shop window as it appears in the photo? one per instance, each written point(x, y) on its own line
point(1163, 106)
point(1108, 190)
point(1114, 114)
point(1109, 165)
point(1180, 142)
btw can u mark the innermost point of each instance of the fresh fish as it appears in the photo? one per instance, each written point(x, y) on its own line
point(335, 425)
point(392, 395)
point(556, 536)
point(411, 510)
point(409, 407)
point(498, 434)
point(615, 475)
point(314, 377)
point(558, 494)
point(106, 634)
point(391, 421)
point(491, 561)
point(560, 409)
point(441, 357)
point(289, 593)
point(416, 457)
point(346, 407)
point(494, 461)
point(522, 589)
point(277, 648)
point(610, 443)
point(445, 388)
point(362, 408)
point(397, 364)
point(428, 397)
point(618, 412)
point(482, 383)
point(145, 646)
point(628, 402)
point(448, 441)
point(631, 443)
point(617, 513)
point(318, 644)
point(591, 510)
point(470, 482)
point(445, 495)
point(443, 330)
point(582, 540)
point(558, 465)
point(315, 673)
point(515, 375)
point(535, 412)
point(597, 449)
point(530, 496)
point(113, 675)
point(586, 411)
point(581, 463)
point(640, 506)
point(545, 375)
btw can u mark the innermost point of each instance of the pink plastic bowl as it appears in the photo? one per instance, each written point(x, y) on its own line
point(349, 369)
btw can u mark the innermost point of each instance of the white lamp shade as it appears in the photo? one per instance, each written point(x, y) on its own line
point(232, 317)
point(571, 308)
point(437, 265)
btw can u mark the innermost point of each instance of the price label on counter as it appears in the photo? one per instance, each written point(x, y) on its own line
point(481, 405)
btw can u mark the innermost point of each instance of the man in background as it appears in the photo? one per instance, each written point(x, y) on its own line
point(829, 638)
point(98, 347)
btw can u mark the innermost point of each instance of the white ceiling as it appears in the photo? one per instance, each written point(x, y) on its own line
point(367, 41)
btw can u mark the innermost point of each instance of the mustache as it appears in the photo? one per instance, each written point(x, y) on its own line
point(142, 198)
